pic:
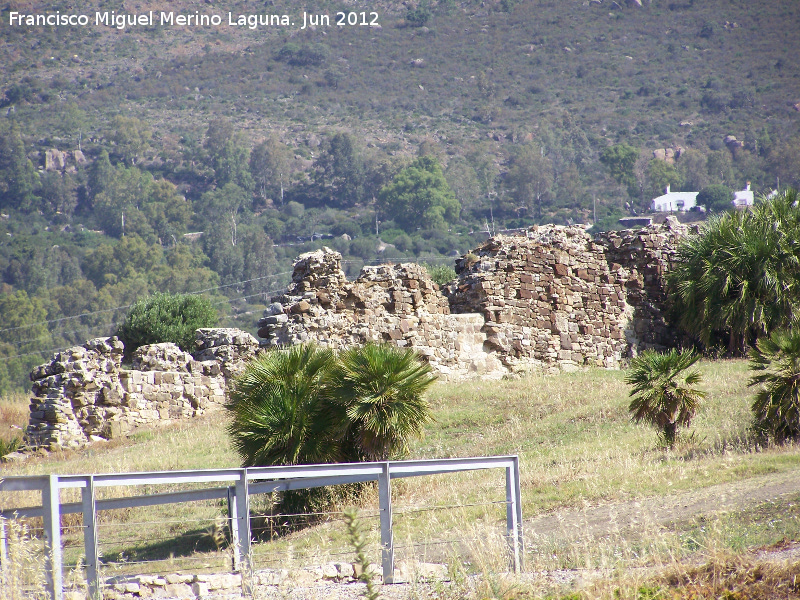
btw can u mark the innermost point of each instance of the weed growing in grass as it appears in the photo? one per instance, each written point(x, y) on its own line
point(9, 446)
point(355, 534)
point(21, 562)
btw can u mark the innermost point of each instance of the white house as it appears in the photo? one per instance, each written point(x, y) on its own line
point(674, 201)
point(743, 199)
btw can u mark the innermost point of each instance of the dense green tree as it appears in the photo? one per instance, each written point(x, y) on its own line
point(419, 15)
point(529, 179)
point(269, 167)
point(107, 264)
point(721, 169)
point(166, 318)
point(167, 212)
point(663, 394)
point(660, 174)
point(101, 174)
point(59, 195)
point(716, 198)
point(693, 167)
point(23, 331)
point(222, 210)
point(18, 177)
point(784, 162)
point(620, 159)
point(118, 207)
point(463, 180)
point(776, 361)
point(419, 197)
point(228, 155)
point(340, 171)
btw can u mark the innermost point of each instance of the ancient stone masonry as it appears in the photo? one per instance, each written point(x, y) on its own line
point(387, 303)
point(84, 393)
point(548, 299)
point(552, 298)
point(647, 256)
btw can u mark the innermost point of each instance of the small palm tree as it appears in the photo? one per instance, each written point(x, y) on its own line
point(281, 414)
point(660, 397)
point(380, 388)
point(776, 409)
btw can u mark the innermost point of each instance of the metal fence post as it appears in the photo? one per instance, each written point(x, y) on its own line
point(233, 528)
point(4, 583)
point(514, 515)
point(387, 544)
point(243, 530)
point(52, 537)
point(90, 538)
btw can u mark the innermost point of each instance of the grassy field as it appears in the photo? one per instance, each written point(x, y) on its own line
point(578, 450)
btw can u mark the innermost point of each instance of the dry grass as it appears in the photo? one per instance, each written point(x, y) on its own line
point(14, 411)
point(578, 449)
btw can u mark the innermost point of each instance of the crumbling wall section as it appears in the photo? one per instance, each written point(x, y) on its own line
point(84, 393)
point(549, 299)
point(647, 255)
point(399, 304)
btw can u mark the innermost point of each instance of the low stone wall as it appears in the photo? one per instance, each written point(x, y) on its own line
point(84, 394)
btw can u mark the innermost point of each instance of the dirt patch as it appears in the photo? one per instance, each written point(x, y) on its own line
point(619, 518)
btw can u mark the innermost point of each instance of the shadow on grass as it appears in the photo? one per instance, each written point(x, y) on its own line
point(180, 546)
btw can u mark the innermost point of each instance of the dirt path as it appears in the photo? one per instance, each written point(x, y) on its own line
point(608, 519)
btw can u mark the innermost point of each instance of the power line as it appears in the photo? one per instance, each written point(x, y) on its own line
point(105, 310)
point(226, 300)
point(53, 350)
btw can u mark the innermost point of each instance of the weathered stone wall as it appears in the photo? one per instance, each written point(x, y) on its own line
point(387, 303)
point(647, 255)
point(85, 394)
point(552, 298)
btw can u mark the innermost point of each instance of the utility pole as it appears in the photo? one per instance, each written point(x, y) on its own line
point(594, 209)
point(491, 211)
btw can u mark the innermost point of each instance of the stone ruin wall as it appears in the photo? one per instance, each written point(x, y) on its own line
point(84, 394)
point(552, 298)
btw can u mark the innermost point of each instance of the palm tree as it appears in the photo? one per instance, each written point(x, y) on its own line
point(776, 409)
point(380, 388)
point(280, 411)
point(741, 275)
point(660, 397)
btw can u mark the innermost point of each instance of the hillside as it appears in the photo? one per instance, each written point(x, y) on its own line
point(274, 140)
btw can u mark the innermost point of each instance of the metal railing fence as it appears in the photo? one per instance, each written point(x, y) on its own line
point(241, 485)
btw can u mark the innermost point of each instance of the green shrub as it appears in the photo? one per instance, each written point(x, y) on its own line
point(740, 278)
point(166, 318)
point(441, 274)
point(305, 405)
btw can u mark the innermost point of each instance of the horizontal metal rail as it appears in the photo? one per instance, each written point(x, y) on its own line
point(244, 483)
